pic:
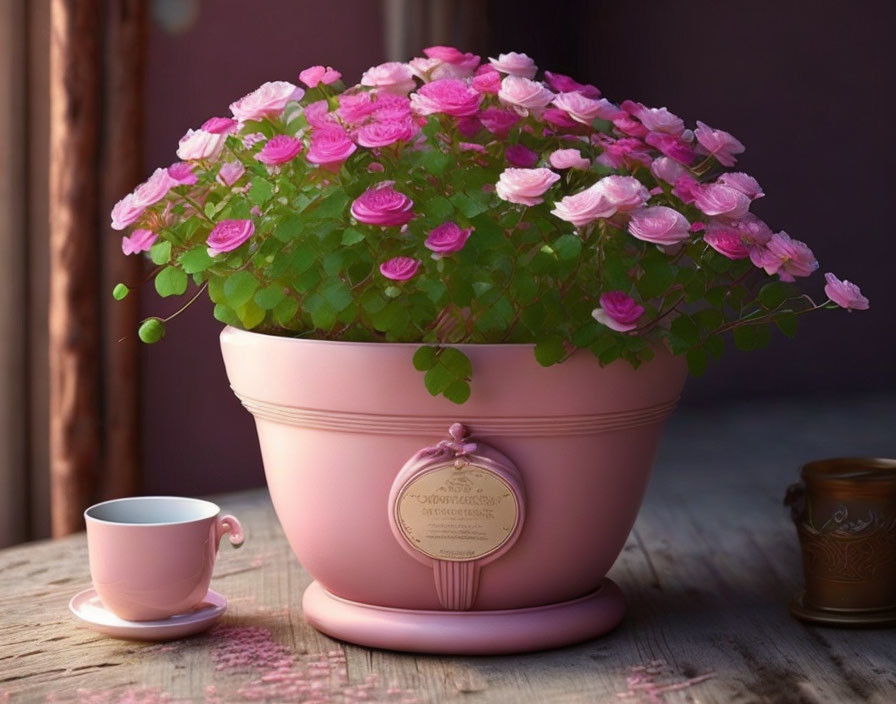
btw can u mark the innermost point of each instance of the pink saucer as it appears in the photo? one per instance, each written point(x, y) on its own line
point(87, 606)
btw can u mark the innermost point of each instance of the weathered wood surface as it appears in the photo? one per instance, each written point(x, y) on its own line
point(708, 571)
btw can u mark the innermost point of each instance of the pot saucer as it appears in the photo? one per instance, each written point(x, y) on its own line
point(842, 618)
point(87, 606)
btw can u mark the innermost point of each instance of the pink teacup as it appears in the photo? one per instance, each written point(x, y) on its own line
point(152, 557)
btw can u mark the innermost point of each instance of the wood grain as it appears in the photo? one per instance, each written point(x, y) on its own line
point(708, 572)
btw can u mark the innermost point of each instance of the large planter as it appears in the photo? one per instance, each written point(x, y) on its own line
point(559, 457)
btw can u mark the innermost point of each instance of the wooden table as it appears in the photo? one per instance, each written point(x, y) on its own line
point(708, 571)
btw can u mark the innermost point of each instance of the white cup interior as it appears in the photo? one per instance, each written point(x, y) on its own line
point(152, 510)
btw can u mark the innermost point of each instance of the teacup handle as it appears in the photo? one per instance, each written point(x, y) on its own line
point(230, 525)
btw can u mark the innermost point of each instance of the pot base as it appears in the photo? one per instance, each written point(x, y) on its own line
point(841, 617)
point(466, 632)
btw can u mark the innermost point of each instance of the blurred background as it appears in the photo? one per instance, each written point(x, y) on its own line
point(96, 94)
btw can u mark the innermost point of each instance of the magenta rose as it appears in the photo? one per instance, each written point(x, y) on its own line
point(227, 235)
point(521, 156)
point(568, 159)
point(726, 241)
point(620, 152)
point(498, 121)
point(315, 75)
point(672, 146)
point(844, 293)
point(515, 64)
point(139, 241)
point(400, 268)
point(318, 114)
point(384, 206)
point(632, 127)
point(525, 186)
point(524, 95)
point(355, 107)
point(560, 118)
point(392, 107)
point(559, 83)
point(488, 81)
point(618, 311)
point(330, 146)
point(220, 125)
point(267, 100)
point(382, 134)
point(449, 96)
point(659, 225)
point(447, 238)
point(230, 172)
point(279, 150)
point(126, 212)
point(182, 173)
point(391, 77)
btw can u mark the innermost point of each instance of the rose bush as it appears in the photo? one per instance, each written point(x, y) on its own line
point(445, 201)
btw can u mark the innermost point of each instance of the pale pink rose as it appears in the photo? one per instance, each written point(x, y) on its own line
point(315, 75)
point(568, 159)
point(154, 188)
point(391, 77)
point(625, 193)
point(449, 96)
point(559, 83)
point(655, 119)
point(182, 173)
point(751, 229)
point(487, 81)
point(659, 225)
point(715, 199)
point(560, 118)
point(250, 140)
point(447, 238)
point(330, 146)
point(267, 100)
point(618, 311)
point(472, 147)
point(742, 182)
point(524, 95)
point(585, 207)
point(126, 212)
point(521, 156)
point(230, 172)
point(666, 169)
point(720, 144)
point(382, 134)
point(279, 150)
point(199, 144)
point(498, 121)
point(400, 268)
point(726, 241)
point(452, 63)
point(355, 107)
point(220, 125)
point(423, 68)
point(844, 293)
point(227, 235)
point(672, 146)
point(785, 257)
point(525, 186)
point(585, 110)
point(139, 241)
point(515, 64)
point(384, 206)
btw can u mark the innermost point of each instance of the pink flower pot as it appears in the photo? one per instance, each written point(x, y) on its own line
point(337, 422)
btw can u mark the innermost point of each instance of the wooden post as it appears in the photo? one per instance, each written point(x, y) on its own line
point(73, 319)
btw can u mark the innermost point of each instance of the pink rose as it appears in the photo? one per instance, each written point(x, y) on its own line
point(391, 107)
point(450, 96)
point(844, 293)
point(726, 241)
point(227, 235)
point(330, 146)
point(447, 238)
point(472, 147)
point(742, 182)
point(199, 144)
point(220, 125)
point(154, 188)
point(559, 83)
point(568, 159)
point(659, 225)
point(383, 205)
point(126, 212)
point(139, 241)
point(267, 100)
point(515, 64)
point(585, 207)
point(666, 169)
point(524, 95)
point(279, 150)
point(715, 199)
point(718, 143)
point(382, 134)
point(560, 118)
point(625, 193)
point(519, 155)
point(631, 126)
point(686, 188)
point(315, 75)
point(751, 229)
point(453, 63)
point(250, 140)
point(391, 77)
point(468, 126)
point(785, 257)
point(585, 110)
point(182, 173)
point(672, 146)
point(355, 107)
point(498, 121)
point(400, 268)
point(525, 186)
point(487, 82)
point(318, 114)
point(618, 311)
point(624, 151)
point(230, 172)
point(655, 119)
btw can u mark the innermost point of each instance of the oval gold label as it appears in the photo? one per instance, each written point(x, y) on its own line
point(457, 514)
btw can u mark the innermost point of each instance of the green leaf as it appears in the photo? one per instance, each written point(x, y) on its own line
point(120, 291)
point(752, 337)
point(352, 236)
point(425, 358)
point(550, 351)
point(268, 298)
point(685, 331)
point(787, 322)
point(438, 208)
point(226, 315)
point(715, 346)
point(160, 253)
point(289, 228)
point(196, 260)
point(332, 205)
point(567, 247)
point(456, 362)
point(151, 330)
point(657, 278)
point(467, 205)
point(437, 379)
point(302, 258)
point(336, 293)
point(286, 310)
point(774, 293)
point(435, 162)
point(171, 281)
point(697, 361)
point(250, 315)
point(261, 191)
point(457, 392)
point(239, 288)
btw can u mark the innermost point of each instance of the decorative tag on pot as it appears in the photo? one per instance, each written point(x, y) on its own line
point(457, 506)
